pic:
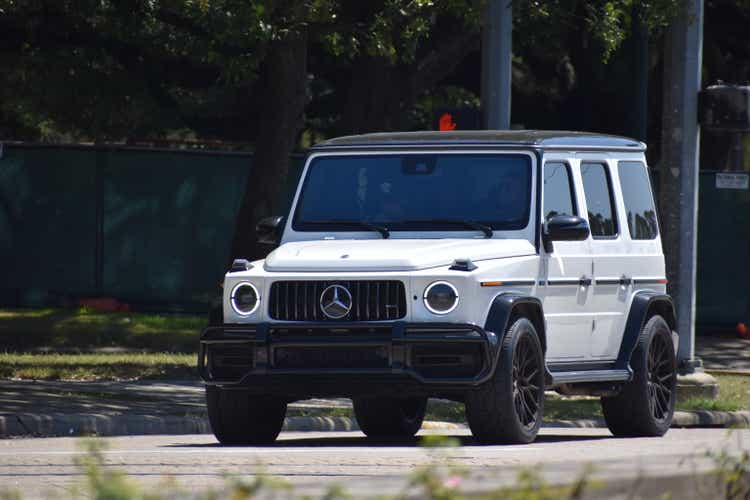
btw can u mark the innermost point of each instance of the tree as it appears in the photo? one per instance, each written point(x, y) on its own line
point(259, 71)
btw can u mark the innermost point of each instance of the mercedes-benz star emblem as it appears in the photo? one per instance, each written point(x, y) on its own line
point(336, 301)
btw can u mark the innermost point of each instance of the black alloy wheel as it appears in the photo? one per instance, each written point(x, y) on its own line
point(508, 408)
point(661, 377)
point(645, 405)
point(527, 393)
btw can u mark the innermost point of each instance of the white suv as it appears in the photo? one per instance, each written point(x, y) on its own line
point(483, 267)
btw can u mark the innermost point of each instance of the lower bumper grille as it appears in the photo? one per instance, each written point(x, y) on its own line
point(331, 357)
point(230, 361)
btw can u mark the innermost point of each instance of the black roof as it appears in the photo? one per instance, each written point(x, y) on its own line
point(544, 139)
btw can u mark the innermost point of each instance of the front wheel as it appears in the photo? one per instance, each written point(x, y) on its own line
point(238, 417)
point(508, 408)
point(645, 405)
point(390, 417)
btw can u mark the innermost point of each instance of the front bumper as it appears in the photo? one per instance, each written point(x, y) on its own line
point(327, 358)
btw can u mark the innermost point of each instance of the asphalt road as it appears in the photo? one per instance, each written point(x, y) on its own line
point(311, 462)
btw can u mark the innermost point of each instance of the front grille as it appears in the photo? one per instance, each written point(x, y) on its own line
point(371, 300)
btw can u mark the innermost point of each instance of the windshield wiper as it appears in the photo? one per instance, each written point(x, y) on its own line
point(356, 223)
point(487, 230)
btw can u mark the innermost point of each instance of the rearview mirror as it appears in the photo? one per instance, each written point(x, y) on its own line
point(564, 228)
point(269, 229)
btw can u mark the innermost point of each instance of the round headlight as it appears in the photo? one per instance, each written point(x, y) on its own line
point(440, 297)
point(245, 299)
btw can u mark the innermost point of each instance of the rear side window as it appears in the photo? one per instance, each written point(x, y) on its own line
point(597, 188)
point(558, 190)
point(639, 203)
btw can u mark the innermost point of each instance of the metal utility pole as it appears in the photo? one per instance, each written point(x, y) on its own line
point(497, 48)
point(679, 168)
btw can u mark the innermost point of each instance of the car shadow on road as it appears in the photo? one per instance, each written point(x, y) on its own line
point(362, 441)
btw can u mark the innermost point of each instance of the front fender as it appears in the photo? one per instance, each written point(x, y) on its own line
point(505, 307)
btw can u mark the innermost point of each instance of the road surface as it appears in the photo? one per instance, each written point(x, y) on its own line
point(312, 462)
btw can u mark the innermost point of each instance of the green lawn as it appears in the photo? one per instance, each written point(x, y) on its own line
point(97, 366)
point(63, 329)
point(734, 394)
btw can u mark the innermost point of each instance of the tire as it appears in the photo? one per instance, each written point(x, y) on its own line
point(238, 418)
point(509, 407)
point(645, 405)
point(390, 417)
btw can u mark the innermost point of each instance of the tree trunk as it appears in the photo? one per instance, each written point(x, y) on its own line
point(283, 86)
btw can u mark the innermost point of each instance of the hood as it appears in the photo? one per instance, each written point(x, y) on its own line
point(388, 255)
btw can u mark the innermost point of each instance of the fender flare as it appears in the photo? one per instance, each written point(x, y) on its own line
point(504, 306)
point(644, 305)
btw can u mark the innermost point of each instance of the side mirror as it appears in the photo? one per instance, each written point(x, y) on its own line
point(564, 228)
point(269, 229)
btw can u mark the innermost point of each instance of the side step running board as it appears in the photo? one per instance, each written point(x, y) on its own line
point(590, 376)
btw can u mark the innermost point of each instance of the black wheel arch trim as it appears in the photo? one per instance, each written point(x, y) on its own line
point(503, 308)
point(641, 308)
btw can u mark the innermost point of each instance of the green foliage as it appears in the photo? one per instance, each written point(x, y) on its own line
point(84, 70)
point(104, 483)
point(733, 472)
point(10, 495)
point(531, 486)
point(606, 22)
point(438, 441)
point(241, 488)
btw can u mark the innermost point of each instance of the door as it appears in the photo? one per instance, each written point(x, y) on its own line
point(609, 290)
point(566, 272)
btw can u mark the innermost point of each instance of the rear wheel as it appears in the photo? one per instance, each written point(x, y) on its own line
point(390, 417)
point(645, 405)
point(237, 417)
point(508, 408)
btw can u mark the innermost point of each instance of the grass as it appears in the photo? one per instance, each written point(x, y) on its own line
point(97, 366)
point(734, 394)
point(71, 329)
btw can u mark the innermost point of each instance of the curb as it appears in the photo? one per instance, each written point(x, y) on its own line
point(61, 424)
point(697, 418)
point(725, 371)
point(705, 418)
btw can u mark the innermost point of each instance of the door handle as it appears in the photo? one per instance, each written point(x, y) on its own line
point(626, 281)
point(584, 281)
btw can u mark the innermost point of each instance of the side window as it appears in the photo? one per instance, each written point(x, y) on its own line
point(639, 203)
point(558, 190)
point(597, 188)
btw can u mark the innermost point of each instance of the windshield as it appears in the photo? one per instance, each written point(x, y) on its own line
point(415, 192)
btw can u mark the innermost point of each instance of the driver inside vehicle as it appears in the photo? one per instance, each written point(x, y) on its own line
point(390, 207)
point(507, 195)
